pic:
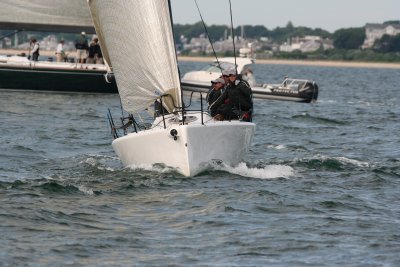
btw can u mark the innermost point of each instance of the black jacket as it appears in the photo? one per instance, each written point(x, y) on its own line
point(235, 101)
point(240, 95)
point(82, 44)
point(214, 100)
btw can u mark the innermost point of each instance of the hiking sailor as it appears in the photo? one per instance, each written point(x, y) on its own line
point(214, 96)
point(238, 103)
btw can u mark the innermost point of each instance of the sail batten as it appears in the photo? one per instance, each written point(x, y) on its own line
point(137, 37)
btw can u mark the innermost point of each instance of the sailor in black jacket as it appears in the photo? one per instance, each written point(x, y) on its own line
point(215, 95)
point(238, 103)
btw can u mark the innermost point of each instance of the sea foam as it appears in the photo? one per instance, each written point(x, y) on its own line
point(86, 190)
point(267, 172)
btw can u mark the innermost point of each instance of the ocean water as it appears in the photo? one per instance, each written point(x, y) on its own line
point(320, 186)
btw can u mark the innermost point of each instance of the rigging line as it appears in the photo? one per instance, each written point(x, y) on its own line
point(122, 109)
point(233, 36)
point(208, 35)
point(176, 55)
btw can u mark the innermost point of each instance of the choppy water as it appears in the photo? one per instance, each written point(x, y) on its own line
point(319, 188)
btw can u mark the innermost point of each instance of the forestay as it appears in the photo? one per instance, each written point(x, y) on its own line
point(137, 35)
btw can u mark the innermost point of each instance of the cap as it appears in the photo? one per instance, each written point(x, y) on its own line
point(229, 72)
point(218, 80)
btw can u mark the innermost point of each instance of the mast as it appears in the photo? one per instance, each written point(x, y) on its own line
point(233, 36)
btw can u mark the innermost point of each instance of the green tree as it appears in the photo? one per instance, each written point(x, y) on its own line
point(388, 44)
point(289, 25)
point(280, 35)
point(250, 31)
point(351, 38)
point(392, 22)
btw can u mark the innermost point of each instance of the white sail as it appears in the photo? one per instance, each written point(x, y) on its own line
point(46, 15)
point(137, 35)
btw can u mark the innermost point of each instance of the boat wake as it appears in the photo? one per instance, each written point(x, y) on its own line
point(99, 162)
point(266, 172)
point(261, 172)
point(160, 168)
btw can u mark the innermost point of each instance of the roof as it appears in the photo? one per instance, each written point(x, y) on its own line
point(381, 26)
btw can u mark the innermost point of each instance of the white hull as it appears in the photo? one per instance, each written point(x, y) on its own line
point(259, 92)
point(195, 146)
point(200, 81)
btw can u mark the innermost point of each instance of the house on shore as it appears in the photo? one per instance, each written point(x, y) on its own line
point(375, 31)
point(306, 44)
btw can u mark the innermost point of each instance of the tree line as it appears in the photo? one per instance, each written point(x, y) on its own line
point(347, 41)
point(347, 38)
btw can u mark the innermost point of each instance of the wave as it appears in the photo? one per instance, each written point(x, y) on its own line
point(331, 163)
point(85, 190)
point(266, 172)
point(49, 186)
point(160, 168)
point(277, 147)
point(308, 117)
point(55, 187)
point(99, 162)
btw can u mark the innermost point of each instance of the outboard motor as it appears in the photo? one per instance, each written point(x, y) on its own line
point(309, 91)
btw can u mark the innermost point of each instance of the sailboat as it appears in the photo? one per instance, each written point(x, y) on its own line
point(137, 38)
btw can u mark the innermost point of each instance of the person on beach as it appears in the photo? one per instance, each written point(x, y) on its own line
point(81, 48)
point(60, 53)
point(237, 99)
point(35, 49)
point(215, 95)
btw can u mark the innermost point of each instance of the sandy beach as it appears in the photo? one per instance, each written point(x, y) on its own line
point(258, 61)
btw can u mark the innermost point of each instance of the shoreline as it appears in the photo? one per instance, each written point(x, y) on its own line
point(320, 63)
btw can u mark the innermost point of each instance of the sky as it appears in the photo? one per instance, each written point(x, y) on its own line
point(329, 15)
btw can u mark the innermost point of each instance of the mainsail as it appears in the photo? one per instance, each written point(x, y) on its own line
point(46, 15)
point(137, 35)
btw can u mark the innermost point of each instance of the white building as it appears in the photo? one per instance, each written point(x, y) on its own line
point(227, 45)
point(374, 31)
point(306, 44)
point(197, 44)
